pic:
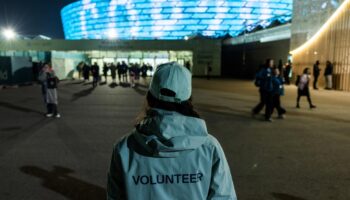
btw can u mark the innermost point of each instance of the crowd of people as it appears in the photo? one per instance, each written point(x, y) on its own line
point(127, 73)
point(271, 79)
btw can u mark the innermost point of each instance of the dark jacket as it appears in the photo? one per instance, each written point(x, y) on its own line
point(277, 83)
point(95, 70)
point(328, 70)
point(264, 79)
point(316, 70)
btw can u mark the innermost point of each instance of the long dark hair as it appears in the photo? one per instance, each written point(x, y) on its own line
point(185, 108)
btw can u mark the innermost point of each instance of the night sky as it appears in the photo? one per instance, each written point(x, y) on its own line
point(33, 17)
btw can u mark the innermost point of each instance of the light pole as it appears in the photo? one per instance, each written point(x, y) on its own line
point(9, 34)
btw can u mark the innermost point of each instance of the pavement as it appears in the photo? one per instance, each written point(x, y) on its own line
point(303, 157)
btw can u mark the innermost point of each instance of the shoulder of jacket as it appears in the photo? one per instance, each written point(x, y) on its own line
point(121, 144)
point(212, 142)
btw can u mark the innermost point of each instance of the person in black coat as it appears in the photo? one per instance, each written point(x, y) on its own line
point(264, 82)
point(105, 71)
point(328, 73)
point(95, 70)
point(287, 72)
point(119, 68)
point(86, 72)
point(316, 73)
point(278, 91)
point(113, 69)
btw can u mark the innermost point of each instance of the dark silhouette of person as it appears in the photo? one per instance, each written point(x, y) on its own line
point(105, 71)
point(86, 72)
point(113, 69)
point(95, 70)
point(328, 73)
point(287, 72)
point(316, 73)
point(280, 67)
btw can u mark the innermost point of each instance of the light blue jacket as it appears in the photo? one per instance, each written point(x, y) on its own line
point(169, 156)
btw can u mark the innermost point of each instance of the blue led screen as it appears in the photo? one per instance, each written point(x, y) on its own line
point(169, 19)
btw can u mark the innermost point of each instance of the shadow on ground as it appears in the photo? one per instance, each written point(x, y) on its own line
point(82, 93)
point(281, 196)
point(75, 83)
point(19, 108)
point(140, 91)
point(60, 181)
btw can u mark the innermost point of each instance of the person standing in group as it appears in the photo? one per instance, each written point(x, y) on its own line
point(86, 72)
point(316, 74)
point(79, 69)
point(169, 154)
point(132, 74)
point(105, 71)
point(287, 72)
point(119, 68)
point(281, 68)
point(144, 70)
point(278, 91)
point(328, 74)
point(124, 72)
point(303, 88)
point(49, 82)
point(113, 69)
point(95, 70)
point(263, 80)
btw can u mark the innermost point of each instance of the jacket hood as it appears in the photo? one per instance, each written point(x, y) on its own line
point(168, 133)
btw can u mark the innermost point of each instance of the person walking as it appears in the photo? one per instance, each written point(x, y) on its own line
point(105, 71)
point(316, 74)
point(264, 82)
point(95, 70)
point(303, 88)
point(278, 91)
point(49, 82)
point(328, 73)
point(169, 154)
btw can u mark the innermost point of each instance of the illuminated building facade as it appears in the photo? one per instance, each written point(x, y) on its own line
point(321, 32)
point(169, 19)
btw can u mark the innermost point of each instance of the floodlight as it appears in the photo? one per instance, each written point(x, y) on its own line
point(9, 33)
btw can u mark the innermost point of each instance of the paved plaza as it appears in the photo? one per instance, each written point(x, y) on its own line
point(303, 157)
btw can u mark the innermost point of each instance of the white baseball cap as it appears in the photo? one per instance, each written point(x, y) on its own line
point(171, 82)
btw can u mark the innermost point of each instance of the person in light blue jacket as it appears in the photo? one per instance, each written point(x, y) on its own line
point(169, 154)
